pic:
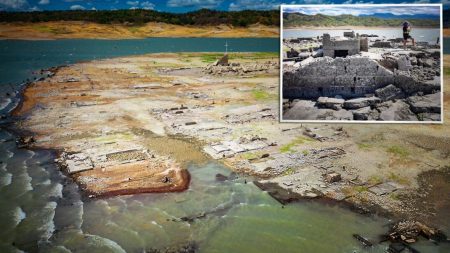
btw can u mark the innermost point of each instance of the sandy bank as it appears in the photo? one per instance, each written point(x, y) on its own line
point(87, 30)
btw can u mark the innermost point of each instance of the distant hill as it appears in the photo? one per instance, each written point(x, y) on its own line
point(320, 20)
point(404, 17)
point(202, 17)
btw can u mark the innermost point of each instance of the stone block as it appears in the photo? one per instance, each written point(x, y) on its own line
point(333, 177)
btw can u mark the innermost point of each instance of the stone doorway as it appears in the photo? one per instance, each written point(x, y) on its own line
point(340, 53)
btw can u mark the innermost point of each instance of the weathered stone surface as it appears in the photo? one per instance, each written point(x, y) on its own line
point(332, 103)
point(333, 177)
point(429, 116)
point(428, 62)
point(389, 92)
point(416, 80)
point(349, 77)
point(404, 63)
point(425, 104)
point(305, 110)
point(222, 61)
point(383, 188)
point(361, 102)
point(365, 113)
point(382, 44)
point(398, 111)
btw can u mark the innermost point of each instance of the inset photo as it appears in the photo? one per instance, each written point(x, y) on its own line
point(361, 63)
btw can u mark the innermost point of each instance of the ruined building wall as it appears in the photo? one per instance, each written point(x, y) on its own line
point(348, 77)
point(329, 46)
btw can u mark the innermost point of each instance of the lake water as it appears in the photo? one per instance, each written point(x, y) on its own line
point(42, 211)
point(419, 34)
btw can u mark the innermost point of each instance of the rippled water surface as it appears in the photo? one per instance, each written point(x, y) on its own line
point(40, 207)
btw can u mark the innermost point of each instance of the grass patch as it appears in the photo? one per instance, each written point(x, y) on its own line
point(251, 156)
point(352, 190)
point(289, 171)
point(360, 189)
point(398, 150)
point(398, 179)
point(114, 137)
point(373, 180)
point(363, 145)
point(210, 58)
point(297, 141)
point(394, 196)
point(305, 152)
point(447, 71)
point(260, 94)
point(53, 30)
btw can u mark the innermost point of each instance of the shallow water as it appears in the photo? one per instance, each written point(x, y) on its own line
point(21, 57)
point(233, 216)
point(42, 211)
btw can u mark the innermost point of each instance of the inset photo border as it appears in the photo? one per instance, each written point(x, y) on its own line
point(361, 63)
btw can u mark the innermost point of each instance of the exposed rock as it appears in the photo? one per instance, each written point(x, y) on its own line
point(382, 44)
point(365, 113)
point(332, 103)
point(361, 102)
point(333, 177)
point(417, 80)
point(389, 92)
point(429, 116)
point(221, 177)
point(428, 62)
point(404, 63)
point(425, 104)
point(222, 61)
point(396, 111)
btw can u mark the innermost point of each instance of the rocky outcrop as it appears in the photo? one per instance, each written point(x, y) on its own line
point(332, 103)
point(425, 104)
point(396, 111)
point(389, 92)
point(417, 80)
point(365, 113)
point(361, 102)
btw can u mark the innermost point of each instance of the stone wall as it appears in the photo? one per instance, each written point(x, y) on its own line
point(329, 46)
point(347, 77)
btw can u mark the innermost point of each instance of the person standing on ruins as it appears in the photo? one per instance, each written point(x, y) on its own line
point(406, 34)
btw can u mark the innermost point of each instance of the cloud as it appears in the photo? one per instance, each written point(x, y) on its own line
point(77, 7)
point(367, 10)
point(34, 8)
point(71, 1)
point(194, 3)
point(147, 5)
point(13, 4)
point(44, 2)
point(133, 3)
point(270, 4)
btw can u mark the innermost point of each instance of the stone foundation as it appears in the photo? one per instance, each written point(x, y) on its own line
point(346, 77)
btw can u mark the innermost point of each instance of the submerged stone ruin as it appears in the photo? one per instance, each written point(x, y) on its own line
point(353, 81)
point(347, 77)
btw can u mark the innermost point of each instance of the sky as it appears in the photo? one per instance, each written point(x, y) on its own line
point(366, 10)
point(179, 5)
